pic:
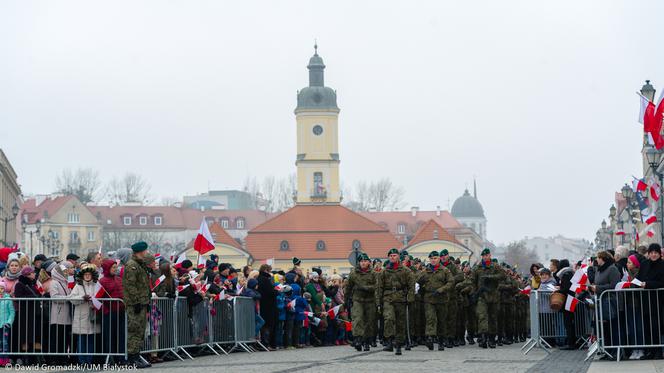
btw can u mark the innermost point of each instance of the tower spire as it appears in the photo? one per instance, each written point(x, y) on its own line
point(315, 47)
point(474, 187)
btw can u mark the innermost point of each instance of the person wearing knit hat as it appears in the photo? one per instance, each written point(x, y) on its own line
point(395, 289)
point(296, 261)
point(633, 266)
point(361, 287)
point(29, 328)
point(136, 289)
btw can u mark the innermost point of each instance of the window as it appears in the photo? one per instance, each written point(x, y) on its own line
point(55, 235)
point(319, 189)
point(143, 220)
point(318, 130)
point(91, 236)
point(157, 220)
point(126, 220)
point(401, 229)
point(73, 236)
point(73, 217)
point(224, 223)
point(320, 245)
point(283, 246)
point(357, 245)
point(239, 223)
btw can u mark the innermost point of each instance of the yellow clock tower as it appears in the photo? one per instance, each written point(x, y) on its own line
point(317, 161)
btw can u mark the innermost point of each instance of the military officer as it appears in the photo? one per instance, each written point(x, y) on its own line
point(436, 284)
point(457, 276)
point(485, 279)
point(418, 306)
point(394, 290)
point(361, 288)
point(136, 294)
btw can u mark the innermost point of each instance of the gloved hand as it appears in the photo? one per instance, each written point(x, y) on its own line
point(138, 308)
point(379, 310)
point(87, 298)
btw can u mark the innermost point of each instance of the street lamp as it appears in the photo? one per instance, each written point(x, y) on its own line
point(648, 91)
point(652, 156)
point(612, 212)
point(6, 220)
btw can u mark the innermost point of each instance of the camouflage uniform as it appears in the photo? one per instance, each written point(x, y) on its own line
point(394, 289)
point(466, 313)
point(450, 329)
point(436, 284)
point(136, 291)
point(485, 279)
point(361, 288)
point(506, 318)
point(418, 310)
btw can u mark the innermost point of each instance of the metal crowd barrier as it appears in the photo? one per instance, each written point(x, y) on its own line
point(547, 324)
point(629, 319)
point(65, 328)
point(160, 335)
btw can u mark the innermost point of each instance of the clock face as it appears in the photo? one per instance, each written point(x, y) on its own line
point(318, 130)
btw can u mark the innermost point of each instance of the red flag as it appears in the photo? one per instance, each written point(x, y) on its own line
point(40, 287)
point(570, 304)
point(99, 293)
point(639, 185)
point(651, 219)
point(182, 287)
point(622, 285)
point(620, 232)
point(71, 282)
point(159, 281)
point(204, 241)
point(201, 262)
point(332, 313)
point(526, 291)
point(349, 326)
point(181, 258)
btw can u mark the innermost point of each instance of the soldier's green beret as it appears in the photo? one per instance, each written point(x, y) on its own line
point(465, 263)
point(385, 263)
point(508, 266)
point(494, 260)
point(392, 251)
point(417, 260)
point(404, 252)
point(139, 247)
point(296, 261)
point(486, 251)
point(410, 257)
point(444, 252)
point(363, 256)
point(433, 253)
point(451, 258)
point(376, 260)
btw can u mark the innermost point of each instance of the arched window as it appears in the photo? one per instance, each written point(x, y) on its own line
point(283, 246)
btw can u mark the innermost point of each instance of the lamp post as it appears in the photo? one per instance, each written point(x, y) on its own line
point(6, 220)
point(628, 194)
point(50, 242)
point(652, 156)
point(35, 231)
point(612, 221)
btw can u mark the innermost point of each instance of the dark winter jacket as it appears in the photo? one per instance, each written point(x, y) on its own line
point(268, 301)
point(652, 273)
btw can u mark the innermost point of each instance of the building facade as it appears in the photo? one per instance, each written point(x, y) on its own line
point(59, 225)
point(468, 211)
point(10, 201)
point(221, 200)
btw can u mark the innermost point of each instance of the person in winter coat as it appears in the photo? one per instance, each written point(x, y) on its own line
point(251, 292)
point(60, 320)
point(606, 278)
point(565, 275)
point(12, 272)
point(651, 274)
point(281, 313)
point(85, 324)
point(6, 321)
point(113, 312)
point(298, 318)
point(28, 312)
point(268, 305)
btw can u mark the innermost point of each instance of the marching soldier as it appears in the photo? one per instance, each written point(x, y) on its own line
point(361, 288)
point(436, 284)
point(457, 276)
point(418, 306)
point(464, 288)
point(486, 278)
point(394, 290)
point(508, 289)
point(136, 288)
point(407, 261)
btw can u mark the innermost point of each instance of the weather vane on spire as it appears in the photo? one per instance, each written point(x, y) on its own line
point(316, 47)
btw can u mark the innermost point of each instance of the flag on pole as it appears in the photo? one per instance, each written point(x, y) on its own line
point(639, 185)
point(181, 258)
point(99, 293)
point(204, 241)
point(201, 262)
point(159, 281)
point(332, 313)
point(182, 287)
point(570, 304)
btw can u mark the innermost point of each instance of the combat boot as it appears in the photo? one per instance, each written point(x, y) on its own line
point(358, 344)
point(388, 347)
point(471, 339)
point(492, 341)
point(508, 340)
point(500, 340)
point(137, 362)
point(462, 341)
point(482, 341)
point(429, 343)
point(455, 342)
point(398, 349)
point(441, 344)
point(449, 343)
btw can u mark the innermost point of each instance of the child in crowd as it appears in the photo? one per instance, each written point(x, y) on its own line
point(251, 291)
point(281, 311)
point(6, 321)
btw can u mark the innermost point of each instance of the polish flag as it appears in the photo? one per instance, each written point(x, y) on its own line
point(655, 191)
point(204, 241)
point(291, 305)
point(305, 322)
point(40, 287)
point(334, 312)
point(308, 314)
point(159, 281)
point(526, 291)
point(71, 282)
point(577, 288)
point(315, 321)
point(620, 232)
point(570, 304)
point(220, 296)
point(181, 258)
point(349, 326)
point(201, 262)
point(623, 285)
point(639, 185)
point(99, 293)
point(182, 287)
point(651, 219)
point(157, 258)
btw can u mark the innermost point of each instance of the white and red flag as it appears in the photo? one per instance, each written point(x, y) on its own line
point(71, 282)
point(40, 287)
point(623, 285)
point(158, 281)
point(291, 305)
point(181, 258)
point(99, 293)
point(639, 185)
point(182, 287)
point(526, 291)
point(204, 241)
point(570, 304)
point(201, 262)
point(332, 313)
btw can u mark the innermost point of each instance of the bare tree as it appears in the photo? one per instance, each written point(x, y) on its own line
point(517, 254)
point(271, 194)
point(84, 183)
point(131, 188)
point(381, 195)
point(170, 201)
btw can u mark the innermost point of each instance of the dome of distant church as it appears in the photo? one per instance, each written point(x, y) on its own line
point(467, 206)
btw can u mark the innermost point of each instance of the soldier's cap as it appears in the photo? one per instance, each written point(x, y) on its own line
point(417, 260)
point(433, 253)
point(363, 256)
point(296, 261)
point(444, 252)
point(451, 258)
point(377, 260)
point(385, 263)
point(139, 246)
point(72, 256)
point(404, 252)
point(486, 251)
point(465, 263)
point(393, 251)
point(494, 260)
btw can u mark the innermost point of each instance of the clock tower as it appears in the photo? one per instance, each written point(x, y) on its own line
point(317, 159)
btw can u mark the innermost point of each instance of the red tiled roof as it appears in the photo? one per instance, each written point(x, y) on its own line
point(221, 236)
point(429, 232)
point(303, 226)
point(392, 219)
point(35, 213)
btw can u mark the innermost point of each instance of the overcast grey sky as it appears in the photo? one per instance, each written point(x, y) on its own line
point(535, 99)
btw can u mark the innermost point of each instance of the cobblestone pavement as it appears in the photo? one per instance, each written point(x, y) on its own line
point(345, 359)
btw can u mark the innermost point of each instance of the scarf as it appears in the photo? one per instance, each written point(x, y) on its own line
point(435, 268)
point(394, 265)
point(12, 276)
point(486, 263)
